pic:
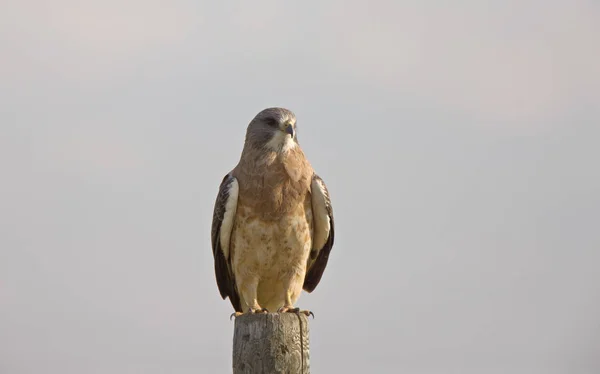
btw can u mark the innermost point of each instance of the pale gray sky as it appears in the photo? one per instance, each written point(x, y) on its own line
point(459, 143)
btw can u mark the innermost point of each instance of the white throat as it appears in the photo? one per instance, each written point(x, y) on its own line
point(281, 142)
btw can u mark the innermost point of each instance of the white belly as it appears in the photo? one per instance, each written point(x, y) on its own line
point(271, 253)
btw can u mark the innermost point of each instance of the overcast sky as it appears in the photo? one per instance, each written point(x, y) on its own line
point(459, 142)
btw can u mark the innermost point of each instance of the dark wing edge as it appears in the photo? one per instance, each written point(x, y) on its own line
point(223, 273)
point(319, 257)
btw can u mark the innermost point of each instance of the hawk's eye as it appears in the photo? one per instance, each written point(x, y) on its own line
point(271, 122)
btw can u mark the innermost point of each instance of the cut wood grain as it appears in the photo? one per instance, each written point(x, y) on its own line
point(271, 343)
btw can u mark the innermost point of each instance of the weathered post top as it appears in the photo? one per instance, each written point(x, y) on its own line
point(271, 343)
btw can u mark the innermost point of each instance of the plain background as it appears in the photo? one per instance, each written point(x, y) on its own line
point(459, 141)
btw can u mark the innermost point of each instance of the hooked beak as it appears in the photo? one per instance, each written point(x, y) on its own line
point(290, 130)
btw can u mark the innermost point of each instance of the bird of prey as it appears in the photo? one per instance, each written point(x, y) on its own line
point(272, 228)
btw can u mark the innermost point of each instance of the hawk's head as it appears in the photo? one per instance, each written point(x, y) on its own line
point(273, 129)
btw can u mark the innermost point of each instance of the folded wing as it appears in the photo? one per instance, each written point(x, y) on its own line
point(323, 233)
point(222, 225)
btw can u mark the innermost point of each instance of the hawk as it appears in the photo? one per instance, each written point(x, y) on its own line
point(272, 228)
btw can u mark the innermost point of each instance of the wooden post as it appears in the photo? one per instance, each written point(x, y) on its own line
point(271, 343)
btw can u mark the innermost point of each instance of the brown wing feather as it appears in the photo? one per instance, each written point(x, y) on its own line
point(223, 274)
point(316, 269)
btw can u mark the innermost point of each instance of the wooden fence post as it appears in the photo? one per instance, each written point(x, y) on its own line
point(271, 343)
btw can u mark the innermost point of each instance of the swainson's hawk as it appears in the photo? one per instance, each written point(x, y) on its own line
point(272, 228)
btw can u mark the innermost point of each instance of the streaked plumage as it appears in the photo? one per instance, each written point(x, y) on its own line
point(273, 226)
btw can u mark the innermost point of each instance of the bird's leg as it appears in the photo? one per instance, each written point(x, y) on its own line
point(249, 294)
point(292, 294)
point(255, 308)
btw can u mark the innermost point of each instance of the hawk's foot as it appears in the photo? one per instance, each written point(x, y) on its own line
point(257, 310)
point(285, 309)
point(250, 311)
